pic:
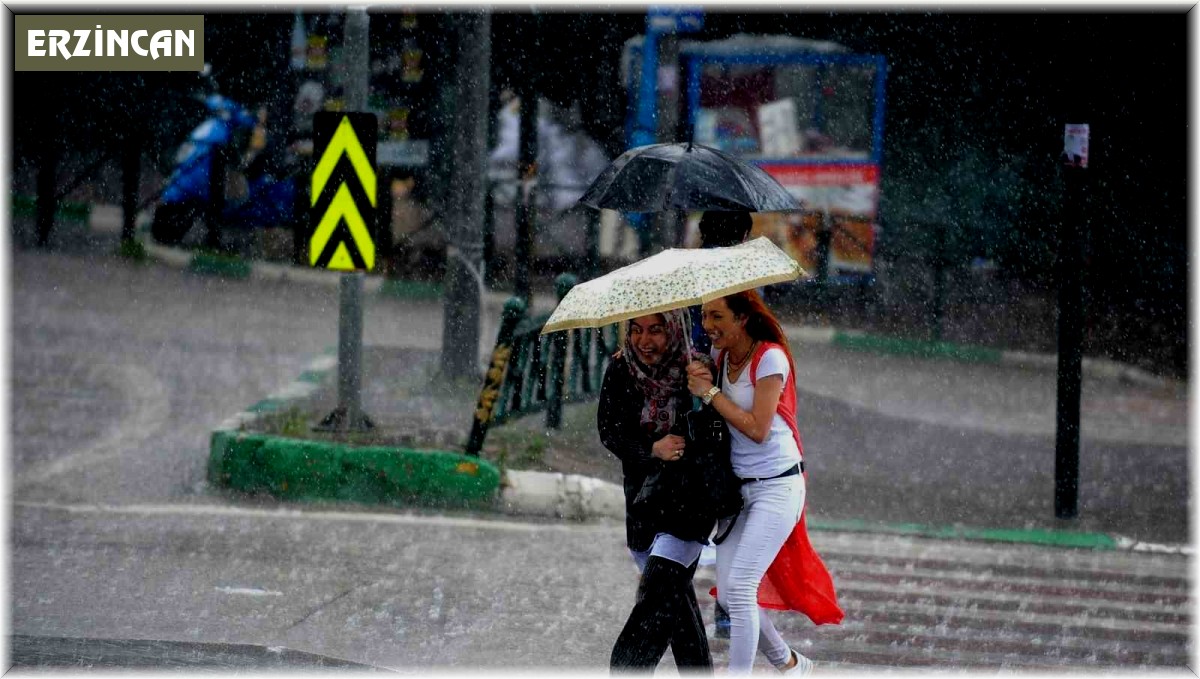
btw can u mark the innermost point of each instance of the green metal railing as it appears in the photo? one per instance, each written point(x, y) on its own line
point(530, 372)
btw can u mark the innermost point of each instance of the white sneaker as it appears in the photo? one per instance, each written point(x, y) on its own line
point(802, 668)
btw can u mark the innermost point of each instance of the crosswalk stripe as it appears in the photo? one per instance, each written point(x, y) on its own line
point(849, 546)
point(1177, 581)
point(1017, 605)
point(971, 614)
point(1059, 589)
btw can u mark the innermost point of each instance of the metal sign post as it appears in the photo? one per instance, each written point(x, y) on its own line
point(1070, 324)
point(343, 199)
point(348, 416)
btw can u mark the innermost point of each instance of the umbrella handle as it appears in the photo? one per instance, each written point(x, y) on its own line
point(687, 333)
point(687, 342)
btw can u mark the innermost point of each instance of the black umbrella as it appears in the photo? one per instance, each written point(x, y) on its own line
point(684, 176)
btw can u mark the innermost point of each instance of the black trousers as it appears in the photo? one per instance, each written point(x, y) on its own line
point(666, 613)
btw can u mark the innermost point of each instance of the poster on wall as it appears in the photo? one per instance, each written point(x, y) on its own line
point(842, 198)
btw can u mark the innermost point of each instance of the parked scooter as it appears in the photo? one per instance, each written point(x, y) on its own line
point(256, 195)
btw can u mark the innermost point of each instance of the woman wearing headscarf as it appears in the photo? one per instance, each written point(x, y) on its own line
point(642, 402)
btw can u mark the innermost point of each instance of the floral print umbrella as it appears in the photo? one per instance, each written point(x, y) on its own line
point(672, 279)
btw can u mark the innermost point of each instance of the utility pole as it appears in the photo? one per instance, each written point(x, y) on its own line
point(464, 251)
point(525, 207)
point(47, 187)
point(663, 23)
point(670, 222)
point(131, 162)
point(645, 126)
point(1070, 321)
point(131, 177)
point(49, 152)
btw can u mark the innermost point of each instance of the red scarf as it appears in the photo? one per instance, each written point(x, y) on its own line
point(797, 579)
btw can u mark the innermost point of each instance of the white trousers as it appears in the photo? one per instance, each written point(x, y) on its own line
point(772, 509)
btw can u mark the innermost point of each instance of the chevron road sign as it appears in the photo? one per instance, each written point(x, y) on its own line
point(343, 192)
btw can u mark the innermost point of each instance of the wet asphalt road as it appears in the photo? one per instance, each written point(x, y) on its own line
point(878, 467)
point(121, 371)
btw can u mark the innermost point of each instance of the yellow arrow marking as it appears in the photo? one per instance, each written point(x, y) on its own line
point(341, 260)
point(344, 141)
point(342, 207)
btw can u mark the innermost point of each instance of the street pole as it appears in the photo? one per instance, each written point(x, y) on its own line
point(47, 183)
point(349, 416)
point(645, 128)
point(670, 222)
point(131, 165)
point(660, 45)
point(525, 207)
point(645, 124)
point(131, 177)
point(939, 280)
point(1070, 322)
point(464, 251)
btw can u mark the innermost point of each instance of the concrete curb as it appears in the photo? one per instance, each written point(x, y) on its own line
point(569, 496)
point(26, 206)
point(563, 496)
point(298, 469)
point(573, 497)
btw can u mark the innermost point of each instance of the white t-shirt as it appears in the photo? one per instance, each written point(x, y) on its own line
point(778, 452)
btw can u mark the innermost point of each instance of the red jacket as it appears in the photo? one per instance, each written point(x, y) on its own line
point(797, 579)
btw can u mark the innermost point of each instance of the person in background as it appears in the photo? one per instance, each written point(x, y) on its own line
point(768, 544)
point(718, 229)
point(643, 396)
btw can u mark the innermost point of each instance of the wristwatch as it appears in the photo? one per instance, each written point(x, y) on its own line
point(710, 395)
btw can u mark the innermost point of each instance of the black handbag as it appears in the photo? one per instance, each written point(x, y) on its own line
point(700, 486)
point(707, 437)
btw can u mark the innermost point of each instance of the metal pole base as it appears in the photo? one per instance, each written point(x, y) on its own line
point(339, 421)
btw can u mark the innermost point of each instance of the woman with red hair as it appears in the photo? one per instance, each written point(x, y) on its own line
point(766, 561)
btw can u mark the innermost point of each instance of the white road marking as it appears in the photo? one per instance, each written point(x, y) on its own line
point(355, 517)
point(150, 406)
point(251, 591)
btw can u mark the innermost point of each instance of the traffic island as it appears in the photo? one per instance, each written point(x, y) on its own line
point(410, 458)
point(413, 456)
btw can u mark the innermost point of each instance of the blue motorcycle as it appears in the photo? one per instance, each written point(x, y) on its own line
point(256, 196)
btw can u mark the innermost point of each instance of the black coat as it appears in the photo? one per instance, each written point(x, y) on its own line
point(618, 420)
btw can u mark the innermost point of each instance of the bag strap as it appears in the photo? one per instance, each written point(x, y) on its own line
point(789, 390)
point(718, 539)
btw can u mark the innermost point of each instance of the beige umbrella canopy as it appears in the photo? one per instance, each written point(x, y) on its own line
point(672, 279)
